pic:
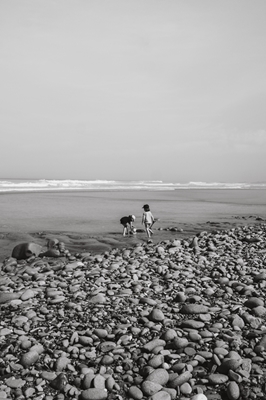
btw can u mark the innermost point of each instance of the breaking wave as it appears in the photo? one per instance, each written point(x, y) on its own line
point(19, 185)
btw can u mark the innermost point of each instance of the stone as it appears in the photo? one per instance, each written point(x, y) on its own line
point(94, 394)
point(233, 391)
point(162, 395)
point(194, 309)
point(59, 382)
point(217, 379)
point(149, 387)
point(180, 379)
point(149, 346)
point(179, 343)
point(15, 383)
point(156, 315)
point(29, 358)
point(135, 393)
point(23, 251)
point(6, 297)
point(254, 302)
point(159, 375)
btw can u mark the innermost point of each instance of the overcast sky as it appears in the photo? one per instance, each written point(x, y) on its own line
point(171, 90)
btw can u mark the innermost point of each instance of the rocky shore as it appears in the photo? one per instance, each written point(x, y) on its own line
point(180, 319)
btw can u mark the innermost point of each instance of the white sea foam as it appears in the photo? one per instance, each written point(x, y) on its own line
point(17, 185)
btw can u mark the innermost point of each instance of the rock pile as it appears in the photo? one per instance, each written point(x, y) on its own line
point(183, 319)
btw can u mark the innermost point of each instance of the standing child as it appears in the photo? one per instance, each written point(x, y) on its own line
point(147, 219)
point(127, 223)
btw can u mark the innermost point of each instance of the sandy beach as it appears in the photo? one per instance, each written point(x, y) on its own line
point(89, 221)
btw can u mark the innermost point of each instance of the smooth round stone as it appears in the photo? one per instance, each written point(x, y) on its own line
point(156, 361)
point(59, 382)
point(5, 297)
point(205, 354)
point(161, 395)
point(180, 297)
point(195, 337)
point(230, 363)
point(190, 351)
point(156, 315)
point(61, 363)
point(209, 292)
point(135, 393)
point(180, 343)
point(206, 334)
point(260, 277)
point(194, 309)
point(29, 358)
point(199, 396)
point(218, 379)
point(28, 294)
point(238, 322)
point(179, 380)
point(185, 388)
point(107, 360)
point(170, 334)
point(107, 346)
point(87, 380)
point(99, 381)
point(172, 392)
point(159, 375)
point(94, 394)
point(15, 383)
point(191, 323)
point(205, 317)
point(49, 376)
point(149, 387)
point(147, 300)
point(220, 351)
point(101, 333)
point(98, 299)
point(150, 346)
point(5, 331)
point(233, 391)
point(259, 311)
point(253, 302)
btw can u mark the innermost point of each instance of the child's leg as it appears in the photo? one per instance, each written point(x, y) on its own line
point(124, 230)
point(147, 230)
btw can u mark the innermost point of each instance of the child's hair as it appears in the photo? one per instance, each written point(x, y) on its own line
point(146, 207)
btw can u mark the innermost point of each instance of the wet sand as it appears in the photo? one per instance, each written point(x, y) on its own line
point(89, 221)
point(78, 242)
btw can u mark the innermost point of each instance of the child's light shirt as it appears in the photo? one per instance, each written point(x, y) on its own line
point(147, 217)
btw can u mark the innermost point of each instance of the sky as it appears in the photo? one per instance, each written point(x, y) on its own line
point(171, 90)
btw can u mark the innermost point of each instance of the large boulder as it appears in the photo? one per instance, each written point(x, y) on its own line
point(26, 250)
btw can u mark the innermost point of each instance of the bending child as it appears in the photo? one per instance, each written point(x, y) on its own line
point(127, 223)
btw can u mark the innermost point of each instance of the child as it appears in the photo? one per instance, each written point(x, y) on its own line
point(127, 223)
point(147, 220)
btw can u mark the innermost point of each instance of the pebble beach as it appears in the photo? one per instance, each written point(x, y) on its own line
point(180, 318)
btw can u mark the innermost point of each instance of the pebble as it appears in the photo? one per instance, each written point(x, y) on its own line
point(94, 394)
point(233, 391)
point(144, 322)
point(159, 375)
point(29, 358)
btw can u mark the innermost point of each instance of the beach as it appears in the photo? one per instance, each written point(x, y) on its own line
point(89, 220)
point(93, 315)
